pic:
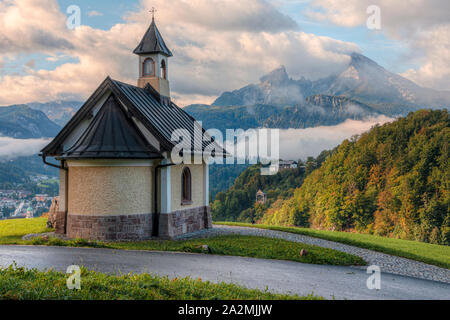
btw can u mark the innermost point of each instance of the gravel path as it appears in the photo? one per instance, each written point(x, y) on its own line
point(387, 263)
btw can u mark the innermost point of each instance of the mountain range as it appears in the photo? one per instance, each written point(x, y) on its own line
point(364, 89)
point(316, 110)
point(363, 80)
point(20, 121)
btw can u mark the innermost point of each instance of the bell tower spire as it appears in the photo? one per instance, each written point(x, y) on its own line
point(153, 60)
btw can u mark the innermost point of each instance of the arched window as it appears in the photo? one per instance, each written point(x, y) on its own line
point(148, 67)
point(164, 69)
point(186, 185)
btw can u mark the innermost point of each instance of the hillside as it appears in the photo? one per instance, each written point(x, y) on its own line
point(239, 202)
point(22, 122)
point(17, 173)
point(222, 176)
point(392, 181)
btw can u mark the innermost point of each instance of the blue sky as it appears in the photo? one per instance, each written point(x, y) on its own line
point(112, 11)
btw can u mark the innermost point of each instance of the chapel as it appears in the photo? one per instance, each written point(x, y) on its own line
point(118, 176)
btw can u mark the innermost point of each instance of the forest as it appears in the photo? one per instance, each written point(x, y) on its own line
point(238, 203)
point(392, 181)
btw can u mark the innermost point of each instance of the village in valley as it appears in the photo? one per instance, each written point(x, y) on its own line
point(18, 203)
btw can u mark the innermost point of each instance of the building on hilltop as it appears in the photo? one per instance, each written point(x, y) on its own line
point(287, 164)
point(118, 178)
point(261, 197)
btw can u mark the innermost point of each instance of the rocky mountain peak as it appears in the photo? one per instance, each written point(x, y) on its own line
point(278, 76)
point(359, 60)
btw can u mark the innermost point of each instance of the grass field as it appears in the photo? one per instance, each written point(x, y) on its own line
point(438, 255)
point(11, 232)
point(21, 284)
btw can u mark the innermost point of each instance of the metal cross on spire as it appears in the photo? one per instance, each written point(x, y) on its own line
point(153, 11)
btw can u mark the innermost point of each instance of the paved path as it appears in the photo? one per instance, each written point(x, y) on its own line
point(386, 262)
point(277, 276)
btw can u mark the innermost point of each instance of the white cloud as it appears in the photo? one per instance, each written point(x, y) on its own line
point(423, 25)
point(219, 15)
point(434, 70)
point(302, 143)
point(12, 148)
point(95, 14)
point(32, 26)
point(217, 45)
point(400, 17)
point(297, 144)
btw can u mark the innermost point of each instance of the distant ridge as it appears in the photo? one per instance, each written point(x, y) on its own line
point(314, 111)
point(20, 121)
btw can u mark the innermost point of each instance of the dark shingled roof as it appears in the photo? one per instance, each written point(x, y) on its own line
point(111, 134)
point(152, 42)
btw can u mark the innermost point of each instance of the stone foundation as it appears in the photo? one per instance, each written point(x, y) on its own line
point(60, 222)
point(184, 221)
point(110, 228)
point(133, 227)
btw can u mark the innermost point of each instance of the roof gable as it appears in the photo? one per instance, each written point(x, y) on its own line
point(55, 147)
point(152, 42)
point(111, 134)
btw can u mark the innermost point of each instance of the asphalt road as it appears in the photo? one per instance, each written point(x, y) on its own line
point(278, 276)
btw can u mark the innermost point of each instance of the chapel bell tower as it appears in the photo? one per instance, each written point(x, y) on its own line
point(153, 60)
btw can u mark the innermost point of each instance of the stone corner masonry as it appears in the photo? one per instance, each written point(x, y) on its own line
point(184, 221)
point(133, 227)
